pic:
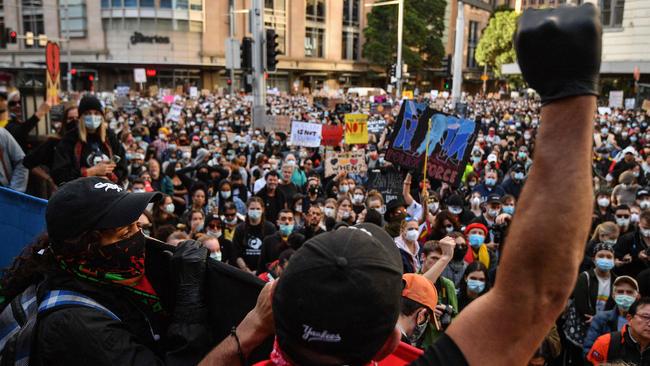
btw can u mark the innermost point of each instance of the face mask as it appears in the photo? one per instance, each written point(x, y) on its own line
point(313, 190)
point(476, 240)
point(92, 122)
point(520, 176)
point(411, 234)
point(475, 286)
point(604, 131)
point(604, 264)
point(433, 206)
point(455, 210)
point(493, 213)
point(472, 184)
point(476, 159)
point(225, 194)
point(634, 218)
point(459, 254)
point(286, 230)
point(215, 233)
point(138, 190)
point(475, 201)
point(645, 233)
point(449, 229)
point(603, 202)
point(418, 332)
point(624, 301)
point(357, 198)
point(123, 259)
point(216, 256)
point(170, 208)
point(232, 221)
point(522, 155)
point(344, 188)
point(298, 208)
point(527, 136)
point(329, 212)
point(290, 162)
point(622, 222)
point(381, 210)
point(510, 210)
point(255, 214)
point(490, 182)
point(645, 204)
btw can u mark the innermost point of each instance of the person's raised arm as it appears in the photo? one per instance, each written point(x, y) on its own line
point(547, 237)
point(447, 245)
point(406, 190)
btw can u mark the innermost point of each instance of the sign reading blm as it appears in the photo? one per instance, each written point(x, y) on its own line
point(449, 141)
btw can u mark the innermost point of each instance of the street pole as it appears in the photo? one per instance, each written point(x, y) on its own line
point(67, 37)
point(259, 84)
point(458, 54)
point(400, 26)
point(232, 36)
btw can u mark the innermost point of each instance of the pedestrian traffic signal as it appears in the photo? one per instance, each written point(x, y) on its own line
point(73, 72)
point(229, 81)
point(13, 36)
point(446, 84)
point(446, 65)
point(247, 82)
point(272, 51)
point(91, 77)
point(246, 49)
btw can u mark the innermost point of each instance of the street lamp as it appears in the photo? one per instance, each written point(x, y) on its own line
point(400, 25)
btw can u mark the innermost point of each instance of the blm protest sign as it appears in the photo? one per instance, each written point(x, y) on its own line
point(331, 135)
point(449, 142)
point(388, 183)
point(349, 162)
point(376, 126)
point(277, 123)
point(305, 134)
point(356, 128)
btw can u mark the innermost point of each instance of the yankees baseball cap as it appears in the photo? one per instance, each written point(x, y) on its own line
point(340, 296)
point(92, 203)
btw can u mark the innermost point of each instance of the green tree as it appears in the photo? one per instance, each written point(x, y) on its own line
point(423, 27)
point(495, 47)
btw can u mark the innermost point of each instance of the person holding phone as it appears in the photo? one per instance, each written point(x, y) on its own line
point(91, 149)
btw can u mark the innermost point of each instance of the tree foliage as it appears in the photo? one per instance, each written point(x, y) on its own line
point(495, 47)
point(423, 28)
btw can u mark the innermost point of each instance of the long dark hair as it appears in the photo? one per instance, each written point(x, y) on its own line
point(39, 258)
point(475, 266)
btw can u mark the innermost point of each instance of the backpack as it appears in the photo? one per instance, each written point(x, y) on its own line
point(19, 318)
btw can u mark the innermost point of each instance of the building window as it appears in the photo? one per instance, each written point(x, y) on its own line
point(314, 38)
point(116, 3)
point(33, 19)
point(350, 13)
point(315, 10)
point(472, 41)
point(106, 4)
point(350, 49)
point(196, 26)
point(146, 4)
point(181, 4)
point(165, 4)
point(196, 5)
point(130, 3)
point(74, 24)
point(275, 17)
point(611, 12)
point(541, 2)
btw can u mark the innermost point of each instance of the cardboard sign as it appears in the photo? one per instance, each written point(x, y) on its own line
point(349, 162)
point(169, 99)
point(331, 135)
point(616, 99)
point(449, 142)
point(140, 75)
point(629, 103)
point(342, 108)
point(604, 110)
point(356, 128)
point(388, 182)
point(407, 94)
point(53, 73)
point(174, 113)
point(376, 126)
point(305, 134)
point(277, 124)
point(194, 92)
point(646, 105)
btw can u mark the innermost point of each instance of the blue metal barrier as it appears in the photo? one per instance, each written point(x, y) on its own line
point(22, 219)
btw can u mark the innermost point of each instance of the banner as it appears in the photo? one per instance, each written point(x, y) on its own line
point(388, 182)
point(53, 73)
point(450, 141)
point(349, 162)
point(305, 134)
point(616, 99)
point(331, 135)
point(277, 124)
point(376, 126)
point(356, 128)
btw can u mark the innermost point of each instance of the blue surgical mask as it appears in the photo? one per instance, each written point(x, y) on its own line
point(216, 256)
point(520, 176)
point(490, 182)
point(624, 301)
point(286, 230)
point(510, 210)
point(476, 240)
point(92, 122)
point(604, 264)
point(475, 286)
point(255, 214)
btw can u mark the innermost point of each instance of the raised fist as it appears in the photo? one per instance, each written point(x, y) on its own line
point(559, 50)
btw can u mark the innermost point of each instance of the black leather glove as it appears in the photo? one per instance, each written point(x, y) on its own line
point(559, 50)
point(188, 266)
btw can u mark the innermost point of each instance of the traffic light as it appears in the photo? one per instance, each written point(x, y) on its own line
point(246, 49)
point(272, 51)
point(393, 73)
point(247, 82)
point(446, 84)
point(13, 36)
point(73, 72)
point(7, 35)
point(446, 65)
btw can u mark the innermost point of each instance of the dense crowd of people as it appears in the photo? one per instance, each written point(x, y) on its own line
point(252, 200)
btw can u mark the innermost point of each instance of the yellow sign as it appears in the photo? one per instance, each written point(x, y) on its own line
point(356, 128)
point(407, 94)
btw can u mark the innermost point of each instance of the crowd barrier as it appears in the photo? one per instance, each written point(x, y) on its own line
point(22, 219)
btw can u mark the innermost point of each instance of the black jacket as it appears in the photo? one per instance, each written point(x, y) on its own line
point(20, 130)
point(69, 162)
point(632, 244)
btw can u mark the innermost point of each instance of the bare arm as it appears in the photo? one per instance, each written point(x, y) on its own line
point(447, 245)
point(406, 190)
point(544, 247)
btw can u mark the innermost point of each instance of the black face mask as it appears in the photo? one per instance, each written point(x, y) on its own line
point(203, 176)
point(121, 260)
point(313, 190)
point(459, 254)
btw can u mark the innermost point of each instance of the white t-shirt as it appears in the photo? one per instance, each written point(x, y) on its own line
point(603, 293)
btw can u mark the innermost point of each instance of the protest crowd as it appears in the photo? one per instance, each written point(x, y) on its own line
point(252, 194)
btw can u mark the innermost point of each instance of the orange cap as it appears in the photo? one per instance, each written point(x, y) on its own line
point(420, 289)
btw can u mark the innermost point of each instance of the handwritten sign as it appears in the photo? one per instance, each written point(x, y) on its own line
point(349, 162)
point(387, 182)
point(277, 124)
point(376, 126)
point(448, 142)
point(629, 103)
point(356, 128)
point(616, 99)
point(305, 134)
point(174, 112)
point(331, 135)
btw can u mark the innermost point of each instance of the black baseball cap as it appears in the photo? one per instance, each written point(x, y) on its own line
point(340, 296)
point(92, 203)
point(494, 197)
point(642, 192)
